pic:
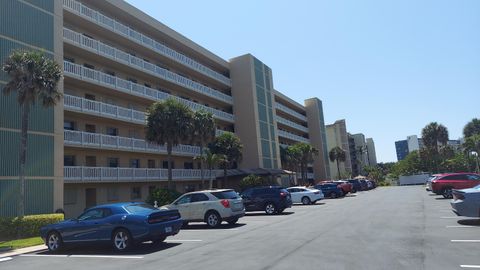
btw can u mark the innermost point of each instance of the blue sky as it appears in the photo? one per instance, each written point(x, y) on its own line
point(387, 67)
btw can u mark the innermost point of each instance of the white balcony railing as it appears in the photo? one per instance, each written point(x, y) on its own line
point(108, 174)
point(291, 136)
point(83, 73)
point(115, 26)
point(289, 111)
point(291, 124)
point(102, 141)
point(138, 63)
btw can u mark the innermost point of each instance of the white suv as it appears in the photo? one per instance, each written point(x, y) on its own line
point(209, 206)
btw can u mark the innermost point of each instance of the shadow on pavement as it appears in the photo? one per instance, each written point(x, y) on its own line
point(308, 205)
point(469, 222)
point(442, 198)
point(264, 214)
point(205, 226)
point(139, 249)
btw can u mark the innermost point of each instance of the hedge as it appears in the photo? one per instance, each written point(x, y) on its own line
point(162, 196)
point(28, 226)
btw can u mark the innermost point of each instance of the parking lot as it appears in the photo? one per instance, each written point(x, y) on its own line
point(386, 228)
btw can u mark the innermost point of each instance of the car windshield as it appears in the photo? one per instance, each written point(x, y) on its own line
point(137, 208)
point(228, 194)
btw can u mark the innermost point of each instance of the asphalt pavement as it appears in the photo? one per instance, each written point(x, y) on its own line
point(386, 228)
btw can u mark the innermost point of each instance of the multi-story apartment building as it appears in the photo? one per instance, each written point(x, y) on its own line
point(116, 62)
point(401, 148)
point(337, 136)
point(372, 155)
point(362, 152)
point(413, 143)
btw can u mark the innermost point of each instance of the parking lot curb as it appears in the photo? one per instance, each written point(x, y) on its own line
point(16, 252)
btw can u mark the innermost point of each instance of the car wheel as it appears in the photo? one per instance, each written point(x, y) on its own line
point(121, 240)
point(159, 240)
point(185, 224)
point(233, 221)
point(270, 208)
point(333, 195)
point(306, 200)
point(447, 193)
point(354, 191)
point(54, 242)
point(212, 219)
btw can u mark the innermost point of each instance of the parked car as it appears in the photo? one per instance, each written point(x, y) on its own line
point(443, 184)
point(364, 184)
point(305, 195)
point(209, 206)
point(330, 190)
point(369, 184)
point(345, 186)
point(356, 185)
point(121, 224)
point(428, 186)
point(271, 199)
point(466, 202)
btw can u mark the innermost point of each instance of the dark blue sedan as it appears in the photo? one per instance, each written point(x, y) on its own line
point(121, 224)
point(330, 190)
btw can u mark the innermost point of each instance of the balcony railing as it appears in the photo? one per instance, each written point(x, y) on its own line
point(125, 86)
point(291, 124)
point(292, 136)
point(138, 63)
point(115, 26)
point(102, 141)
point(289, 111)
point(107, 174)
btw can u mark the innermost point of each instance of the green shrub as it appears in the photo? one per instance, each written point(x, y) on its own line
point(255, 181)
point(28, 226)
point(162, 196)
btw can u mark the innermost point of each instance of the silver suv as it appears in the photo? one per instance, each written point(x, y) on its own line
point(209, 206)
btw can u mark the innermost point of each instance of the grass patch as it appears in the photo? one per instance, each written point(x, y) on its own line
point(21, 243)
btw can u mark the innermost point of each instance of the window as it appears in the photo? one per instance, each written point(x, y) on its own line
point(151, 163)
point(112, 162)
point(188, 165)
point(132, 80)
point(111, 73)
point(90, 128)
point(228, 194)
point(69, 59)
point(89, 66)
point(136, 193)
point(148, 85)
point(473, 177)
point(68, 160)
point(165, 164)
point(112, 131)
point(68, 125)
point(134, 163)
point(112, 194)
point(70, 196)
point(90, 161)
point(199, 197)
point(91, 214)
point(89, 96)
point(184, 199)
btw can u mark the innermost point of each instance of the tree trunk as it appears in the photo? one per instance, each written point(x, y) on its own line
point(23, 158)
point(201, 166)
point(169, 155)
point(338, 168)
point(224, 176)
point(302, 172)
point(211, 179)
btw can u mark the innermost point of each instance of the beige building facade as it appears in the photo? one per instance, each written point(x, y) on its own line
point(337, 137)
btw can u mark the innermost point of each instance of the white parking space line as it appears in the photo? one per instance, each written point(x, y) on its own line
point(182, 240)
point(452, 217)
point(461, 226)
point(43, 255)
point(465, 241)
point(469, 266)
point(219, 230)
point(5, 259)
point(82, 256)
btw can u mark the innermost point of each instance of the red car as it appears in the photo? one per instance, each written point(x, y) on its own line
point(345, 186)
point(442, 184)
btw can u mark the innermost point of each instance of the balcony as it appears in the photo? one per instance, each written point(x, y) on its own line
point(291, 124)
point(95, 76)
point(127, 32)
point(291, 136)
point(289, 111)
point(102, 141)
point(138, 63)
point(107, 174)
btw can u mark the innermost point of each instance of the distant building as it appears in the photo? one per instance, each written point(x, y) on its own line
point(362, 152)
point(337, 136)
point(353, 155)
point(372, 156)
point(402, 149)
point(413, 143)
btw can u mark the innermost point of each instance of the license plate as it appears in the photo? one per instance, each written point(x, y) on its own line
point(168, 229)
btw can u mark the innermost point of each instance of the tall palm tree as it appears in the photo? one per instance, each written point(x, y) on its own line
point(34, 77)
point(211, 159)
point(229, 146)
point(203, 133)
point(307, 154)
point(434, 135)
point(169, 122)
point(472, 128)
point(337, 154)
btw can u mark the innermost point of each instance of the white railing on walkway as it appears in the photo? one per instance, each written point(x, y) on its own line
point(115, 26)
point(126, 86)
point(102, 141)
point(288, 135)
point(106, 174)
point(289, 111)
point(291, 124)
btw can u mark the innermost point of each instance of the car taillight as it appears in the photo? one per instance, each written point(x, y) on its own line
point(225, 203)
point(283, 194)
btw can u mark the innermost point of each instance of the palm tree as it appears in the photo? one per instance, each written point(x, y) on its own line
point(472, 128)
point(34, 77)
point(169, 122)
point(211, 159)
point(337, 154)
point(290, 157)
point(203, 133)
point(432, 135)
point(307, 155)
point(229, 146)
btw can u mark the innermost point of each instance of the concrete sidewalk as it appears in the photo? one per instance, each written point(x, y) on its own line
point(15, 252)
